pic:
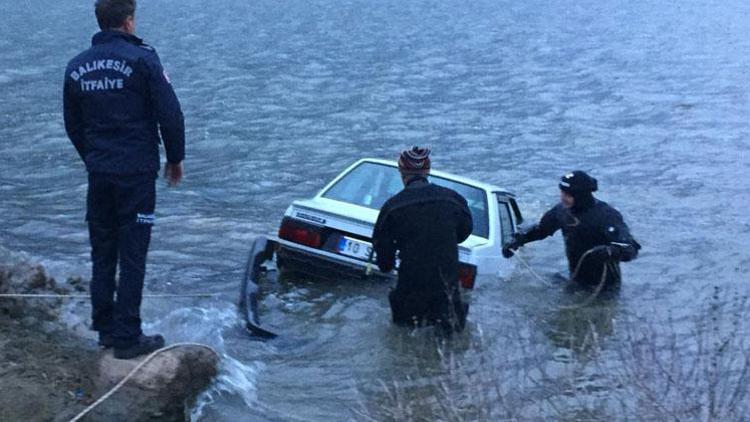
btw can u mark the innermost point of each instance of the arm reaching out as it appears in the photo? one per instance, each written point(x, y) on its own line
point(546, 227)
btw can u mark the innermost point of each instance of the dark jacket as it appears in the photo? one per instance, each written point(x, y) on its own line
point(425, 223)
point(117, 98)
point(590, 224)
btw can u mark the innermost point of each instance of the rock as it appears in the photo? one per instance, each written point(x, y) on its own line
point(26, 278)
point(78, 284)
point(38, 280)
point(163, 389)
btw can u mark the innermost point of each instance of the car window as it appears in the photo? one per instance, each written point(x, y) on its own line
point(506, 225)
point(477, 201)
point(370, 185)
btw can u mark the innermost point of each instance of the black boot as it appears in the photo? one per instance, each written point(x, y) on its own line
point(106, 340)
point(144, 345)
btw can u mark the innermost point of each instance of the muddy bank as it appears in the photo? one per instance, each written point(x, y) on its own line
point(52, 368)
point(45, 376)
point(46, 371)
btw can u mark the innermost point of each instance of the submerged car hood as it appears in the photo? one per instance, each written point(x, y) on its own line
point(362, 215)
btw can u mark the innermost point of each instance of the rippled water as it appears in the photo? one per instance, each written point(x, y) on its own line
point(279, 96)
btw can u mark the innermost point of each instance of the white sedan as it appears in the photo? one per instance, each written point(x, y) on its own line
point(329, 235)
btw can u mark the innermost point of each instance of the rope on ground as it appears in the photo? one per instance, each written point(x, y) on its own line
point(81, 296)
point(135, 370)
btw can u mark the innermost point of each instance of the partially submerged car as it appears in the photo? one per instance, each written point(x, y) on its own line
point(330, 234)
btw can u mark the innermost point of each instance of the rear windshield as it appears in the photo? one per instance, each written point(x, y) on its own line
point(370, 185)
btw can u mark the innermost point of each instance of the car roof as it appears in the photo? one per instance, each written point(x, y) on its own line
point(444, 175)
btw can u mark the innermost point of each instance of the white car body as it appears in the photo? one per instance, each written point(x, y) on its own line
point(331, 215)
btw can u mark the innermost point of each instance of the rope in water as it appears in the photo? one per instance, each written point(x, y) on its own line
point(607, 266)
point(135, 370)
point(61, 296)
point(531, 271)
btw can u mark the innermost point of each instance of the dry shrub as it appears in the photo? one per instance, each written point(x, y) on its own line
point(694, 370)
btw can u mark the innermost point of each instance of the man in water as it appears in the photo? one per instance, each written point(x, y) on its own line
point(117, 99)
point(596, 237)
point(425, 223)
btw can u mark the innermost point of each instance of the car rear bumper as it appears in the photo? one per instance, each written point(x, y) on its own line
point(303, 259)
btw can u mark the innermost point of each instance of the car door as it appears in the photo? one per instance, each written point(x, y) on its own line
point(508, 218)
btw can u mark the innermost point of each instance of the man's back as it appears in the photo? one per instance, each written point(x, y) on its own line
point(116, 96)
point(425, 223)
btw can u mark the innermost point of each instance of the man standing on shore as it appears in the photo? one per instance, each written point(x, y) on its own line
point(117, 99)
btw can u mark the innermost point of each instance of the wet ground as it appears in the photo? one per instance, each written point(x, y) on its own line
point(279, 97)
point(41, 377)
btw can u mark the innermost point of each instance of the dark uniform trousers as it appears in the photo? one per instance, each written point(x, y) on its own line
point(445, 310)
point(120, 214)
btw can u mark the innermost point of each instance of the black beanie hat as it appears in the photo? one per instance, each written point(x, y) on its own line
point(578, 182)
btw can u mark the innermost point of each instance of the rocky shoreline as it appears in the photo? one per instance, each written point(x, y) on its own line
point(52, 368)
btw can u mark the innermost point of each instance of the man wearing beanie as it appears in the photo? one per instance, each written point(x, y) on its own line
point(587, 224)
point(424, 223)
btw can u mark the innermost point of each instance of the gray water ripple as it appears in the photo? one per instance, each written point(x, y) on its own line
point(279, 97)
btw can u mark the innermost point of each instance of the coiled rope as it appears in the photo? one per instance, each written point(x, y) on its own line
point(606, 267)
point(135, 370)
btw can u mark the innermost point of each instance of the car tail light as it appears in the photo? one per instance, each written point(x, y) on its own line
point(467, 274)
point(299, 232)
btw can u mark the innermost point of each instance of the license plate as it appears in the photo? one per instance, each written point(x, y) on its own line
point(354, 248)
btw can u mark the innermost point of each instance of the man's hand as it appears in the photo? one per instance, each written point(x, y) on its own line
point(510, 247)
point(173, 173)
point(607, 253)
point(507, 251)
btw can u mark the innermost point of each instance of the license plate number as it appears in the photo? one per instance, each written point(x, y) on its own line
point(354, 248)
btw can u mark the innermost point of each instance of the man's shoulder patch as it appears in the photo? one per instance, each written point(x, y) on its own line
point(147, 47)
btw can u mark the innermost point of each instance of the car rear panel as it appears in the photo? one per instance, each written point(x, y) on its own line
point(334, 227)
point(324, 264)
point(327, 261)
